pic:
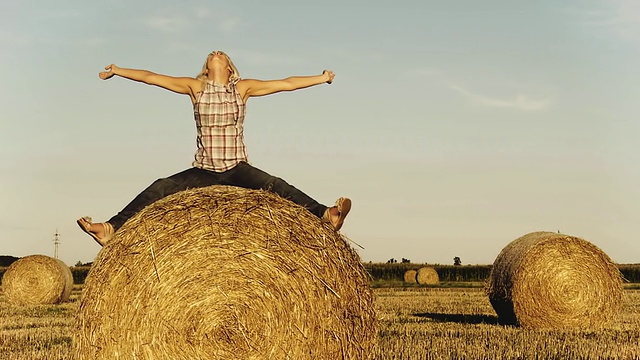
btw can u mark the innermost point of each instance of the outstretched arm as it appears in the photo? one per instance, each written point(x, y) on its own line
point(252, 87)
point(180, 85)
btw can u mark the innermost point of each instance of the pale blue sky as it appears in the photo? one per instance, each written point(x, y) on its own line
point(454, 126)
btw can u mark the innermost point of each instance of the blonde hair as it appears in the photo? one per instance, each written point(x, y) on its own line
point(235, 74)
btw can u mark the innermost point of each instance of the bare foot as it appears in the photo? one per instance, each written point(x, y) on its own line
point(100, 232)
point(335, 215)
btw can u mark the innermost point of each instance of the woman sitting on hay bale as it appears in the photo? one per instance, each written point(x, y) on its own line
point(219, 97)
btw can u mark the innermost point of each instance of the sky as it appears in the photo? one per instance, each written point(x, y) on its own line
point(454, 126)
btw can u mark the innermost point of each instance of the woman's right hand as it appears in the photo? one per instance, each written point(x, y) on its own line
point(104, 75)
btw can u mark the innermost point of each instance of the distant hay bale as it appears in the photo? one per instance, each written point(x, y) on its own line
point(550, 280)
point(226, 273)
point(427, 276)
point(410, 276)
point(37, 280)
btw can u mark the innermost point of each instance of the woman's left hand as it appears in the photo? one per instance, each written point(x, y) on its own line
point(330, 75)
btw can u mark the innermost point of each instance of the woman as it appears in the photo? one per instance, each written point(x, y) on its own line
point(219, 96)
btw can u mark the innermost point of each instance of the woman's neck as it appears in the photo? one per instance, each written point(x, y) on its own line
point(218, 77)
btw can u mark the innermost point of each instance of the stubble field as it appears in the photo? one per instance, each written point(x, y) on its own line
point(415, 323)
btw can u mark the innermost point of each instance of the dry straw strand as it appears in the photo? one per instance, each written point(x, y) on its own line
point(427, 276)
point(234, 274)
point(551, 280)
point(410, 276)
point(37, 280)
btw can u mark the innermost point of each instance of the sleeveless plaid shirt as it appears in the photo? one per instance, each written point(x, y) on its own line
point(219, 113)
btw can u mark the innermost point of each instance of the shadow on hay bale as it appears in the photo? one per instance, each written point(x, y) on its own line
point(226, 273)
point(550, 280)
point(37, 280)
point(427, 276)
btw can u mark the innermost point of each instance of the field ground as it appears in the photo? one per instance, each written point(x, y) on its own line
point(453, 322)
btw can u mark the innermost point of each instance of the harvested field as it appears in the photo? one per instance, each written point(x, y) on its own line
point(37, 332)
point(415, 323)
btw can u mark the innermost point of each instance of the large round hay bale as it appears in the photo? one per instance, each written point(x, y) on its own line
point(37, 280)
point(410, 276)
point(551, 280)
point(226, 273)
point(427, 276)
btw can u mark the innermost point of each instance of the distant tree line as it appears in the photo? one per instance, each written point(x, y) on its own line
point(456, 261)
point(395, 271)
point(379, 271)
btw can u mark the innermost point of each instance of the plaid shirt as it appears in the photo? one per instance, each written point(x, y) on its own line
point(219, 113)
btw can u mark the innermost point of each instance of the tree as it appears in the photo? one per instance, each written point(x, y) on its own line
point(456, 261)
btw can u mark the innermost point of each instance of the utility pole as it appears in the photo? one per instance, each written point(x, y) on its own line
point(56, 242)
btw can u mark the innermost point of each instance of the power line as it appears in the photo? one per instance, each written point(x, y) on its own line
point(56, 242)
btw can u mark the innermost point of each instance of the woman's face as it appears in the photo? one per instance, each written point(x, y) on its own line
point(217, 59)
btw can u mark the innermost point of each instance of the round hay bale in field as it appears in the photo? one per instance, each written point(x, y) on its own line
point(37, 280)
point(427, 276)
point(410, 276)
point(226, 273)
point(551, 280)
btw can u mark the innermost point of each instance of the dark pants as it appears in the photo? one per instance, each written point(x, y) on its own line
point(242, 175)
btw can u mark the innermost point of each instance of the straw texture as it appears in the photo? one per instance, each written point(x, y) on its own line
point(427, 276)
point(550, 280)
point(410, 276)
point(226, 273)
point(37, 280)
